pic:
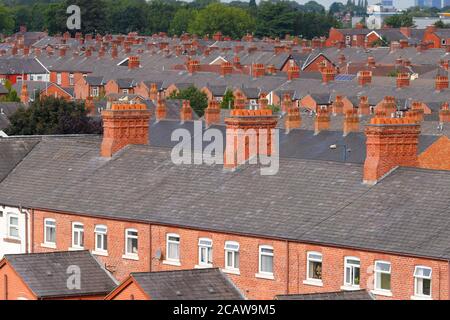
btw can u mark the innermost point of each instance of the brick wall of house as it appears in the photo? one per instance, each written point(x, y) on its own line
point(111, 87)
point(81, 89)
point(314, 66)
point(15, 287)
point(128, 291)
point(54, 91)
point(289, 258)
point(142, 90)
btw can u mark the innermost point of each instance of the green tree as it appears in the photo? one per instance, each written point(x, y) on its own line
point(52, 116)
point(181, 20)
point(11, 96)
point(313, 6)
point(228, 100)
point(93, 15)
point(275, 19)
point(336, 7)
point(6, 20)
point(198, 99)
point(233, 22)
point(399, 20)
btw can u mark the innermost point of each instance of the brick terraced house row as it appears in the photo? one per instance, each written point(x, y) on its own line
point(316, 226)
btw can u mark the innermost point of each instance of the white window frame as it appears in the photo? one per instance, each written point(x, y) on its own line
point(58, 78)
point(46, 221)
point(71, 79)
point(102, 231)
point(262, 273)
point(10, 225)
point(417, 277)
point(232, 247)
point(128, 252)
point(313, 281)
point(80, 235)
point(95, 91)
point(347, 284)
point(170, 260)
point(125, 91)
point(377, 288)
point(205, 246)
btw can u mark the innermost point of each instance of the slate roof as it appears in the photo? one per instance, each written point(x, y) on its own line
point(340, 295)
point(46, 273)
point(197, 284)
point(310, 201)
point(13, 65)
point(12, 151)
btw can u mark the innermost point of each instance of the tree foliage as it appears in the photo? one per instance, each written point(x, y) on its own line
point(233, 22)
point(234, 19)
point(198, 99)
point(228, 100)
point(11, 96)
point(52, 116)
point(399, 20)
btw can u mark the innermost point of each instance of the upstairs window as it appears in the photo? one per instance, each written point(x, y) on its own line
point(352, 272)
point(266, 260)
point(95, 92)
point(77, 235)
point(173, 247)
point(58, 78)
point(50, 231)
point(101, 240)
point(71, 79)
point(382, 276)
point(314, 266)
point(13, 225)
point(422, 282)
point(205, 252)
point(231, 255)
point(131, 242)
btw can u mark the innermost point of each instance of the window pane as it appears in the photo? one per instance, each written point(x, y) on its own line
point(315, 270)
point(426, 287)
point(354, 262)
point(314, 256)
point(176, 239)
point(385, 281)
point(266, 250)
point(81, 239)
point(422, 272)
point(132, 246)
point(230, 259)
point(13, 232)
point(266, 264)
point(356, 276)
point(14, 221)
point(173, 252)
point(383, 266)
point(348, 277)
point(236, 260)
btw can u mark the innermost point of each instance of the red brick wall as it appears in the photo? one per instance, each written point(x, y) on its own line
point(16, 288)
point(81, 89)
point(142, 90)
point(286, 280)
point(128, 291)
point(111, 87)
point(54, 91)
point(335, 35)
point(315, 65)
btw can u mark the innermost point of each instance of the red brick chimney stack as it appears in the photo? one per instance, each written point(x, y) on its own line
point(444, 114)
point(226, 68)
point(371, 62)
point(153, 93)
point(161, 109)
point(114, 51)
point(403, 80)
point(328, 75)
point(239, 101)
point(212, 113)
point(193, 66)
point(338, 105)
point(364, 77)
point(351, 121)
point(186, 111)
point(124, 124)
point(286, 102)
point(263, 102)
point(322, 121)
point(24, 97)
point(441, 82)
point(133, 62)
point(258, 70)
point(364, 107)
point(293, 72)
point(390, 143)
point(62, 52)
point(261, 122)
point(293, 118)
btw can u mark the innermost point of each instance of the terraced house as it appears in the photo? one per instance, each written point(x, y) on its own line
point(317, 226)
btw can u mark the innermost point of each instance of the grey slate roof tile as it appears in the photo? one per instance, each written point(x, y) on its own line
point(197, 284)
point(46, 273)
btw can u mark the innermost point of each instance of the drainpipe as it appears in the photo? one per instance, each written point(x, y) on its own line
point(26, 213)
point(287, 269)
